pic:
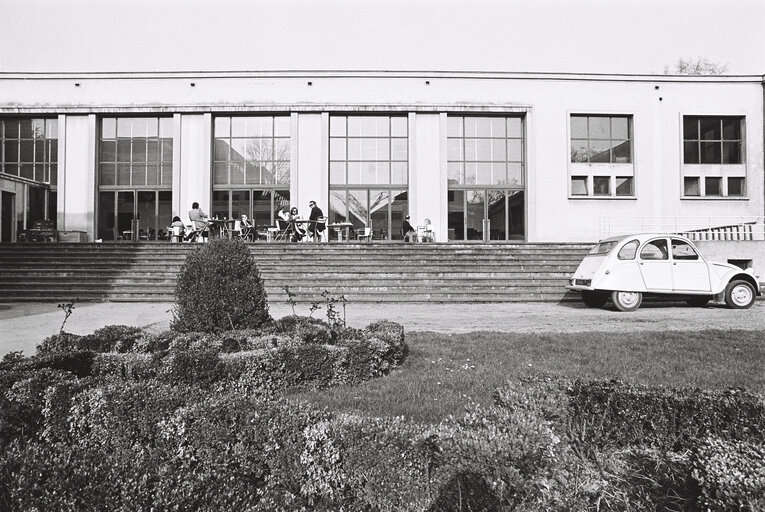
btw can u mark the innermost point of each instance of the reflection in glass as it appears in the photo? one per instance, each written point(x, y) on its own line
point(106, 214)
point(456, 215)
point(165, 208)
point(240, 203)
point(147, 217)
point(125, 214)
point(496, 214)
point(262, 209)
point(601, 185)
point(474, 211)
point(710, 128)
point(398, 209)
point(358, 214)
point(578, 185)
point(713, 186)
point(735, 186)
point(710, 153)
point(624, 186)
point(691, 186)
point(378, 213)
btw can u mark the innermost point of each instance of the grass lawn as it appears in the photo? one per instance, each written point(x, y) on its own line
point(444, 372)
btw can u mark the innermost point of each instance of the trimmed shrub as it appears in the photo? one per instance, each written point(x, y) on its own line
point(126, 367)
point(116, 338)
point(79, 363)
point(68, 342)
point(194, 366)
point(620, 415)
point(155, 342)
point(219, 289)
point(306, 329)
point(730, 474)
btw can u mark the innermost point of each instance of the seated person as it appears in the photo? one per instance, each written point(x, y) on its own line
point(199, 219)
point(177, 223)
point(427, 234)
point(295, 228)
point(246, 229)
point(315, 227)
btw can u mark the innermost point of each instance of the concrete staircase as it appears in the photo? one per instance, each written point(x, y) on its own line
point(366, 272)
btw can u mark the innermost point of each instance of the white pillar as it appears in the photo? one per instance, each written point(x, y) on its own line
point(77, 174)
point(427, 172)
point(310, 165)
point(192, 163)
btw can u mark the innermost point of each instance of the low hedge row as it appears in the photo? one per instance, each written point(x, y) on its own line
point(615, 414)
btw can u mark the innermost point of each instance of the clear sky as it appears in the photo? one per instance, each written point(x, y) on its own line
point(594, 36)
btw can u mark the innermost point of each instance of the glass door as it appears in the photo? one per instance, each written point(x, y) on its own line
point(486, 214)
point(134, 215)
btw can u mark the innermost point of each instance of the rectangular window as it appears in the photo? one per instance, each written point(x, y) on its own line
point(251, 151)
point(136, 152)
point(579, 186)
point(601, 139)
point(485, 151)
point(29, 148)
point(712, 139)
point(714, 145)
point(368, 150)
point(624, 186)
point(601, 185)
point(691, 187)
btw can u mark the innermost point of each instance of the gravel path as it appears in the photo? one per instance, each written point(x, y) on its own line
point(23, 326)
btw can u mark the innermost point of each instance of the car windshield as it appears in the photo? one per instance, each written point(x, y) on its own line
point(602, 248)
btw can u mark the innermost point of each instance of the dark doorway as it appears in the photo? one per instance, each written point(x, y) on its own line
point(8, 214)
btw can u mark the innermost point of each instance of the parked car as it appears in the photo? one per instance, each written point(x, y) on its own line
point(626, 268)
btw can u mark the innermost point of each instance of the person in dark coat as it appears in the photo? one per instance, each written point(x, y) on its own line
point(407, 230)
point(315, 227)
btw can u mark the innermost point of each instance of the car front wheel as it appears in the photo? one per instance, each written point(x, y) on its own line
point(594, 299)
point(627, 301)
point(739, 295)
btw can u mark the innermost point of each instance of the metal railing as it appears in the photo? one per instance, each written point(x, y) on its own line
point(695, 228)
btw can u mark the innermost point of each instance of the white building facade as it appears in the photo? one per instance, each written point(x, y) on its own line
point(484, 156)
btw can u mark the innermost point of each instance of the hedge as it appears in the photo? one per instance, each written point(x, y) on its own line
point(616, 414)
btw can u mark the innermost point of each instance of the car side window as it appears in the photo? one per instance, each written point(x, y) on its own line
point(629, 251)
point(682, 250)
point(655, 250)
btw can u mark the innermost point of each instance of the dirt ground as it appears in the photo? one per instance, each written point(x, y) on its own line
point(23, 326)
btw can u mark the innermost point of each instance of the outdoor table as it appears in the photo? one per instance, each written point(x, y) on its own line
point(340, 228)
point(221, 227)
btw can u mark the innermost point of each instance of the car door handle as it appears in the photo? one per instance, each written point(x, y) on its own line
point(674, 263)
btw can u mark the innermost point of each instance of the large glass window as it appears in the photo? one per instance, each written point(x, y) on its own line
point(136, 152)
point(135, 178)
point(259, 205)
point(486, 178)
point(713, 155)
point(369, 172)
point(251, 151)
point(485, 151)
point(29, 148)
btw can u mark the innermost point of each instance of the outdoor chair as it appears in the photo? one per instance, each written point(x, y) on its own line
point(364, 234)
point(284, 230)
point(176, 233)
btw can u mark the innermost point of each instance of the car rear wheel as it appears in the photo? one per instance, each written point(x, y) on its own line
point(627, 301)
point(698, 300)
point(739, 295)
point(594, 299)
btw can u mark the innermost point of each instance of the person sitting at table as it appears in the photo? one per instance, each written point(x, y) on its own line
point(199, 221)
point(314, 226)
point(295, 228)
point(245, 227)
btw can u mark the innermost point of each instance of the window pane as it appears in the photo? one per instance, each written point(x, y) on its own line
point(655, 250)
point(337, 126)
point(731, 128)
point(735, 186)
point(455, 173)
point(123, 150)
point(682, 250)
point(108, 174)
point(600, 151)
point(599, 128)
point(498, 127)
point(25, 128)
point(11, 150)
point(456, 215)
point(337, 149)
point(258, 126)
point(220, 173)
point(38, 128)
point(152, 150)
point(601, 185)
point(498, 173)
point(579, 151)
point(471, 173)
point(484, 173)
point(710, 153)
point(399, 149)
point(166, 127)
point(240, 204)
point(620, 128)
point(691, 187)
point(515, 174)
point(337, 172)
point(399, 126)
point(238, 127)
point(220, 204)
point(454, 126)
point(691, 152)
point(398, 173)
point(108, 151)
point(222, 127)
point(578, 127)
point(152, 174)
point(713, 186)
point(624, 186)
point(710, 128)
point(27, 153)
point(690, 128)
point(515, 127)
point(123, 174)
point(138, 172)
point(621, 151)
point(282, 126)
point(237, 173)
point(27, 171)
point(139, 150)
point(11, 128)
point(579, 185)
point(731, 152)
point(108, 128)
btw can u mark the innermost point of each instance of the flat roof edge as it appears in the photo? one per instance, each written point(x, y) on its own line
point(424, 74)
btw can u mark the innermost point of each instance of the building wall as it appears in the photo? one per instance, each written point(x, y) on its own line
point(656, 104)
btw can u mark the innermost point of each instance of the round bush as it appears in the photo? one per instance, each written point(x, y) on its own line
point(219, 289)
